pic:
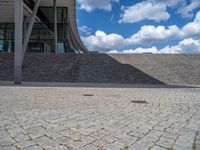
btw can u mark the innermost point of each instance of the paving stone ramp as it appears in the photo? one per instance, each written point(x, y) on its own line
point(175, 69)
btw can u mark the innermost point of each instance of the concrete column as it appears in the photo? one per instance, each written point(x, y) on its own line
point(55, 27)
point(18, 41)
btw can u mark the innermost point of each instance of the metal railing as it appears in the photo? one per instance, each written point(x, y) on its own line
point(183, 56)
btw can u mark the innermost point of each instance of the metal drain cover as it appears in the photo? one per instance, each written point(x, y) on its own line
point(139, 102)
point(88, 95)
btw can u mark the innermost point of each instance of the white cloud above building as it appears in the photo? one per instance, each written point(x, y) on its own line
point(185, 46)
point(147, 35)
point(144, 11)
point(85, 30)
point(90, 5)
point(157, 10)
point(186, 9)
point(103, 42)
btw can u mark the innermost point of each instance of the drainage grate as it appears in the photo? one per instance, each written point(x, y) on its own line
point(139, 102)
point(88, 95)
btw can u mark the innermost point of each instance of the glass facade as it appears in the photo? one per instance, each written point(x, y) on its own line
point(6, 37)
point(42, 39)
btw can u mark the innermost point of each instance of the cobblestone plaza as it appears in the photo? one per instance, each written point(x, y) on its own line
point(83, 118)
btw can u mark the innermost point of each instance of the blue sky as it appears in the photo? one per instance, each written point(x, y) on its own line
point(137, 26)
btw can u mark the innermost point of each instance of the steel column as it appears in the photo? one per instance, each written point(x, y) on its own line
point(55, 27)
point(18, 41)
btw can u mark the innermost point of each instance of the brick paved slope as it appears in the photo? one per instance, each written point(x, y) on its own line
point(170, 69)
point(102, 68)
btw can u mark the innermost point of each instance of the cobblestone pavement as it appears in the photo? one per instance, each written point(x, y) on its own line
point(67, 118)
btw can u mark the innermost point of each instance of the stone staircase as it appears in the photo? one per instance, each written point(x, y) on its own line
point(48, 67)
point(39, 67)
point(6, 67)
point(103, 68)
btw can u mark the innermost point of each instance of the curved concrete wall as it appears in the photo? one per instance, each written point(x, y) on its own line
point(74, 29)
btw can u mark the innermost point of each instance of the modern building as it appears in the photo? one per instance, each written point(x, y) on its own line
point(39, 26)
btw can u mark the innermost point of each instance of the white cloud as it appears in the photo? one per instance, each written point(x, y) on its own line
point(150, 34)
point(185, 46)
point(142, 50)
point(186, 10)
point(155, 10)
point(142, 11)
point(85, 29)
point(192, 29)
point(139, 50)
point(103, 42)
point(147, 35)
point(90, 5)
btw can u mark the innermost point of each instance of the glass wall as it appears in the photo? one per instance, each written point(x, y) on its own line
point(6, 37)
point(42, 39)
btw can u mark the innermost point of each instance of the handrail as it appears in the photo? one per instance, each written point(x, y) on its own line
point(183, 56)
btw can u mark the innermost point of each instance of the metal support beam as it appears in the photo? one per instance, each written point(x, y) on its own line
point(29, 11)
point(25, 25)
point(55, 27)
point(30, 26)
point(18, 41)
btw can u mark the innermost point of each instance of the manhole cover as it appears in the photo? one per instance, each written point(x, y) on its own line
point(139, 102)
point(88, 95)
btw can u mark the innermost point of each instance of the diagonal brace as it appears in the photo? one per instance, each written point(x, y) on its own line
point(30, 26)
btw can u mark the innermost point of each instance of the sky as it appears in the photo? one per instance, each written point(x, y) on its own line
point(140, 26)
